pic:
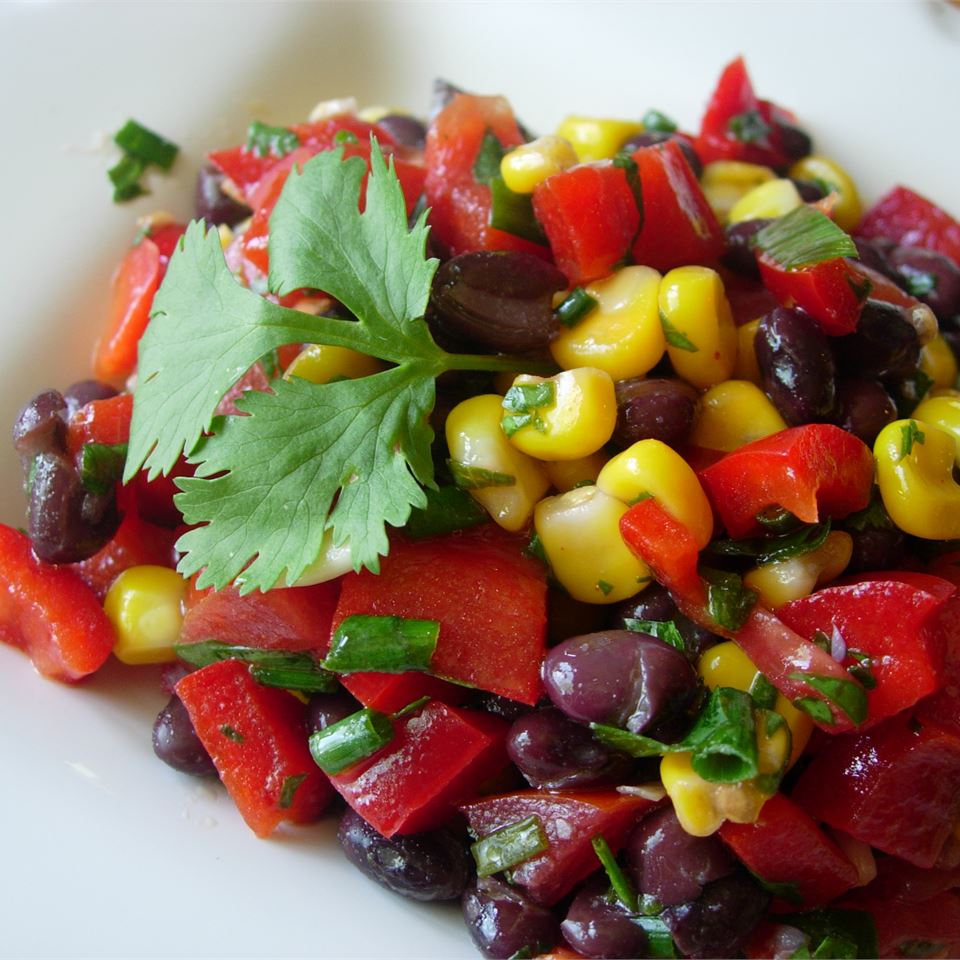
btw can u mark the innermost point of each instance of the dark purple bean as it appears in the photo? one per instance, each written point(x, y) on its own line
point(655, 603)
point(422, 866)
point(794, 141)
point(930, 277)
point(810, 190)
point(873, 254)
point(176, 743)
point(671, 865)
point(599, 925)
point(650, 138)
point(502, 921)
point(719, 923)
point(555, 753)
point(79, 394)
point(864, 408)
point(739, 255)
point(502, 707)
point(658, 409)
point(796, 366)
point(885, 344)
point(620, 678)
point(876, 548)
point(324, 709)
point(406, 130)
point(212, 204)
point(40, 426)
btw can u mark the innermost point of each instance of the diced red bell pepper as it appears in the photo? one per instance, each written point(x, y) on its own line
point(257, 739)
point(912, 220)
point(287, 618)
point(50, 613)
point(815, 471)
point(488, 596)
point(899, 626)
point(893, 786)
point(785, 846)
point(100, 421)
point(748, 299)
point(678, 226)
point(570, 820)
point(898, 880)
point(932, 927)
point(254, 379)
point(590, 217)
point(439, 756)
point(832, 291)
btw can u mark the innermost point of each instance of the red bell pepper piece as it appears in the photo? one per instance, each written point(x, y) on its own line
point(50, 613)
point(570, 821)
point(679, 226)
point(893, 786)
point(932, 926)
point(785, 846)
point(814, 471)
point(914, 221)
point(439, 756)
point(257, 739)
point(898, 880)
point(590, 217)
point(490, 601)
point(100, 421)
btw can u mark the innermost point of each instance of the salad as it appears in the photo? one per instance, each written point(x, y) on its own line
point(579, 509)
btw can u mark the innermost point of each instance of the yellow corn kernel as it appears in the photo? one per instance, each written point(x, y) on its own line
point(700, 333)
point(576, 418)
point(332, 108)
point(848, 209)
point(226, 236)
point(622, 334)
point(915, 461)
point(942, 412)
point(525, 167)
point(475, 440)
point(650, 467)
point(567, 474)
point(321, 363)
point(938, 362)
point(580, 534)
point(724, 182)
point(746, 366)
point(733, 413)
point(144, 606)
point(597, 138)
point(331, 562)
point(773, 198)
point(376, 112)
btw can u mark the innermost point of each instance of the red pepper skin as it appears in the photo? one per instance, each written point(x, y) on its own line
point(50, 613)
point(893, 787)
point(679, 226)
point(570, 820)
point(785, 845)
point(256, 737)
point(898, 880)
point(814, 471)
point(439, 756)
point(100, 421)
point(590, 217)
point(913, 221)
point(935, 923)
point(490, 601)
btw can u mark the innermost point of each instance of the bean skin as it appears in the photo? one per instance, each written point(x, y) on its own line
point(502, 921)
point(176, 743)
point(654, 408)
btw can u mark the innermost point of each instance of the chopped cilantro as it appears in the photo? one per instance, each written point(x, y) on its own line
point(288, 790)
point(910, 434)
point(478, 478)
point(749, 127)
point(655, 120)
point(675, 338)
point(523, 402)
point(486, 166)
point(264, 140)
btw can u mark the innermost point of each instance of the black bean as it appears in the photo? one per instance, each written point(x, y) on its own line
point(79, 394)
point(176, 743)
point(422, 866)
point(655, 408)
point(864, 408)
point(599, 925)
point(655, 603)
point(502, 921)
point(794, 141)
point(873, 254)
point(323, 709)
point(876, 548)
point(406, 130)
point(650, 138)
point(929, 276)
point(212, 204)
point(885, 344)
point(810, 190)
point(40, 426)
point(739, 255)
point(796, 366)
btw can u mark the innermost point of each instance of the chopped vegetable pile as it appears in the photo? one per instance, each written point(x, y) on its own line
point(582, 509)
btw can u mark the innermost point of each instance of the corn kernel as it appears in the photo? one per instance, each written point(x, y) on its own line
point(475, 440)
point(771, 199)
point(333, 108)
point(700, 333)
point(376, 112)
point(331, 562)
point(938, 362)
point(724, 182)
point(746, 366)
point(580, 534)
point(321, 363)
point(144, 606)
point(622, 334)
point(567, 474)
point(597, 138)
point(650, 467)
point(226, 236)
point(525, 167)
point(847, 211)
point(943, 412)
point(733, 413)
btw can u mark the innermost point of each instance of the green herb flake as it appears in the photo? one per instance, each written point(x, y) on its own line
point(765, 550)
point(802, 238)
point(816, 709)
point(665, 630)
point(910, 434)
point(748, 127)
point(675, 338)
point(764, 693)
point(138, 142)
point(920, 284)
point(350, 740)
point(448, 508)
point(266, 141)
point(777, 520)
point(618, 879)
point(512, 844)
point(523, 403)
point(575, 306)
point(729, 602)
point(383, 644)
point(125, 176)
point(345, 136)
point(873, 517)
point(659, 939)
point(101, 466)
point(847, 695)
point(788, 890)
point(231, 733)
point(604, 587)
point(486, 166)
point(411, 708)
point(478, 478)
point(862, 287)
point(856, 927)
point(288, 790)
point(513, 213)
point(655, 120)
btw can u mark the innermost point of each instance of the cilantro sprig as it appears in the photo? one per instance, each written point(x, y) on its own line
point(352, 455)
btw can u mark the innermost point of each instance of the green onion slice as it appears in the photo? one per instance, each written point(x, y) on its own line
point(509, 846)
point(145, 145)
point(384, 644)
point(350, 740)
point(802, 238)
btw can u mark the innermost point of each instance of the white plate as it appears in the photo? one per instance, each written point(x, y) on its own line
point(106, 852)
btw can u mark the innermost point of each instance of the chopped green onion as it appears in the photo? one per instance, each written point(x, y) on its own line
point(125, 176)
point(383, 644)
point(659, 939)
point(655, 120)
point(142, 144)
point(803, 237)
point(729, 602)
point(665, 630)
point(448, 508)
point(264, 140)
point(618, 879)
point(629, 166)
point(764, 693)
point(288, 790)
point(576, 305)
point(816, 709)
point(510, 845)
point(486, 166)
point(513, 212)
point(855, 926)
point(675, 338)
point(846, 695)
point(101, 465)
point(350, 740)
point(478, 478)
point(748, 127)
point(604, 587)
point(411, 707)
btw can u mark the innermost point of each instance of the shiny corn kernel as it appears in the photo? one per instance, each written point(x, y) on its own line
point(527, 166)
point(771, 199)
point(226, 236)
point(724, 182)
point(733, 413)
point(938, 362)
point(597, 138)
point(746, 366)
point(333, 108)
point(651, 468)
point(698, 325)
point(942, 412)
point(144, 606)
point(568, 474)
point(563, 417)
point(848, 209)
point(622, 334)
point(580, 534)
point(331, 562)
point(321, 363)
point(785, 580)
point(504, 481)
point(376, 112)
